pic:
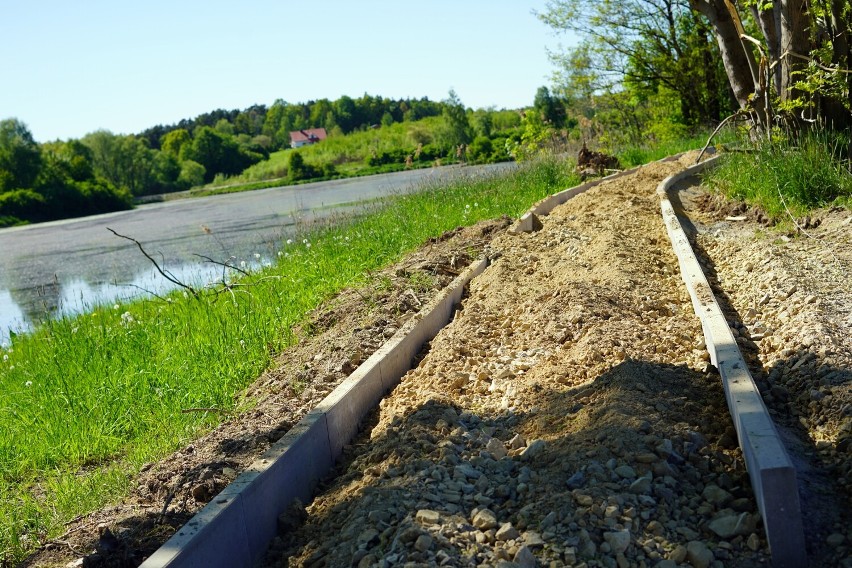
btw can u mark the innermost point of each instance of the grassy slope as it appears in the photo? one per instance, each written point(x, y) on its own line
point(85, 401)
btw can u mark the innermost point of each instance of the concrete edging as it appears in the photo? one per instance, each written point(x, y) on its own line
point(236, 527)
point(773, 477)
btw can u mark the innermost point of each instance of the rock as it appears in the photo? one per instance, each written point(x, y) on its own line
point(716, 496)
point(618, 540)
point(423, 542)
point(730, 525)
point(507, 532)
point(428, 517)
point(524, 558)
point(533, 539)
point(835, 540)
point(484, 519)
point(625, 472)
point(533, 450)
point(517, 442)
point(698, 554)
point(640, 486)
point(366, 538)
point(496, 448)
point(753, 542)
point(582, 499)
point(576, 481)
point(678, 555)
point(466, 471)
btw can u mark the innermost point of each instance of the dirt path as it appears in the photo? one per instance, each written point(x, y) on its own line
point(566, 416)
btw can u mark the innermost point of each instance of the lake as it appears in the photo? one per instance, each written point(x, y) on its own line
point(69, 266)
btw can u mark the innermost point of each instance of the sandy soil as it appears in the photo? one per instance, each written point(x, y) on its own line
point(567, 416)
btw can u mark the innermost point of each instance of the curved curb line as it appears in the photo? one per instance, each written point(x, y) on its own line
point(236, 527)
point(773, 477)
point(529, 222)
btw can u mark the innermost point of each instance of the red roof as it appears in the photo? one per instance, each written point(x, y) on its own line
point(310, 135)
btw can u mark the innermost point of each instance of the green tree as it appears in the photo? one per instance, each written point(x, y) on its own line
point(643, 45)
point(551, 109)
point(173, 141)
point(20, 157)
point(191, 174)
point(456, 125)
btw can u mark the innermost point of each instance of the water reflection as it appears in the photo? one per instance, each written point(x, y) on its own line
point(31, 306)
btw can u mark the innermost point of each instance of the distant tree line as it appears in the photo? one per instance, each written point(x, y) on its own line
point(103, 171)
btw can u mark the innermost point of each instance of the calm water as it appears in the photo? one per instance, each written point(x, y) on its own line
point(70, 266)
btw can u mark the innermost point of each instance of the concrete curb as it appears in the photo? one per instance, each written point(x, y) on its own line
point(236, 527)
point(773, 477)
point(529, 221)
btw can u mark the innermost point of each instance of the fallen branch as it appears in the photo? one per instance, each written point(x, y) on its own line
point(166, 275)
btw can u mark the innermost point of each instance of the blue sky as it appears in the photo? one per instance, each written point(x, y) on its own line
point(69, 68)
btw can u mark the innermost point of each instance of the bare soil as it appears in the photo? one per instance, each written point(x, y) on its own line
point(568, 414)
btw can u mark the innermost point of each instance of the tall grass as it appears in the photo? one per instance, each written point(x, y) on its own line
point(631, 156)
point(85, 401)
point(787, 176)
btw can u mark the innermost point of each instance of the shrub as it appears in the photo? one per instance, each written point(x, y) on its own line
point(23, 204)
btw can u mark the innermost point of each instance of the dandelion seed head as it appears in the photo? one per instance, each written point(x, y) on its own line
point(280, 253)
point(289, 241)
point(5, 358)
point(257, 255)
point(116, 307)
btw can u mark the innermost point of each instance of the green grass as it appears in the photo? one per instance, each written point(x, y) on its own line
point(85, 401)
point(783, 176)
point(631, 156)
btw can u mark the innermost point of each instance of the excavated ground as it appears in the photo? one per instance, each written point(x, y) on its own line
point(567, 416)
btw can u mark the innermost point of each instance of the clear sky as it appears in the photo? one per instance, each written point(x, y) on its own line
point(69, 68)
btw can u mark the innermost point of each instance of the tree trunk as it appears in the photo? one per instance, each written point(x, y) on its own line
point(770, 25)
point(794, 39)
point(738, 60)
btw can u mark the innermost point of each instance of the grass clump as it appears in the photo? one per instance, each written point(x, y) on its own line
point(788, 178)
point(86, 400)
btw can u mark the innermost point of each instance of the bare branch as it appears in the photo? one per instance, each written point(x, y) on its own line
point(168, 276)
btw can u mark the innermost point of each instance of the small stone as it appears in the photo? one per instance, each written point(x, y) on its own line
point(496, 448)
point(678, 555)
point(656, 528)
point(576, 481)
point(368, 537)
point(428, 517)
point(618, 540)
point(423, 542)
point(716, 495)
point(583, 500)
point(698, 554)
point(625, 472)
point(484, 519)
point(507, 532)
point(640, 486)
point(229, 472)
point(524, 558)
point(835, 540)
point(729, 526)
point(753, 542)
point(517, 442)
point(533, 539)
point(533, 449)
